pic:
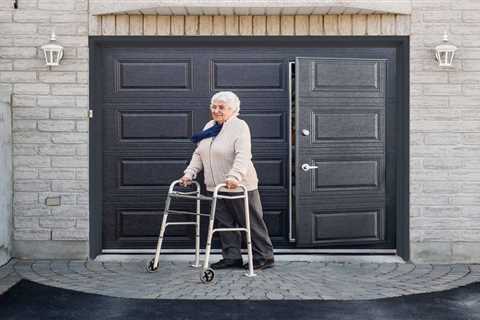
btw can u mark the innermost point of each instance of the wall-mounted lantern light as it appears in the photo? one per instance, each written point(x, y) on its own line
point(53, 51)
point(444, 52)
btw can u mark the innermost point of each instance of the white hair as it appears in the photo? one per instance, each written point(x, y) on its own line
point(229, 98)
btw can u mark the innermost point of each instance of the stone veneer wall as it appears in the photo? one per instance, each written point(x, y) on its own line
point(50, 126)
point(50, 114)
point(445, 134)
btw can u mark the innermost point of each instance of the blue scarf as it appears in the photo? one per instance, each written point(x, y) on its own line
point(207, 133)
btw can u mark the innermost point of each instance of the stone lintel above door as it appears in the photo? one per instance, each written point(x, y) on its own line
point(249, 7)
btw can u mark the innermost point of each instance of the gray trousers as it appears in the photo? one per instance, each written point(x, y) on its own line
point(230, 214)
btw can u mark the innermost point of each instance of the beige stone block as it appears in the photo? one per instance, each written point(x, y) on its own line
point(31, 88)
point(163, 25)
point(55, 125)
point(25, 198)
point(57, 174)
point(24, 125)
point(136, 24)
point(25, 173)
point(122, 24)
point(95, 25)
point(471, 138)
point(466, 252)
point(219, 25)
point(470, 15)
point(388, 24)
point(471, 65)
point(69, 185)
point(316, 25)
point(108, 25)
point(27, 234)
point(301, 25)
point(287, 25)
point(25, 222)
point(46, 222)
point(39, 16)
point(431, 252)
point(345, 24)
point(191, 25)
point(70, 211)
point(330, 25)
point(373, 24)
point(231, 25)
point(442, 89)
point(273, 25)
point(259, 25)
point(359, 24)
point(177, 25)
point(470, 41)
point(150, 25)
point(67, 137)
point(464, 4)
point(246, 25)
point(442, 16)
point(205, 25)
point(31, 162)
point(402, 24)
point(74, 234)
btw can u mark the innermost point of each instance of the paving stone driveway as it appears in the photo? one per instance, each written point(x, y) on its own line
point(287, 280)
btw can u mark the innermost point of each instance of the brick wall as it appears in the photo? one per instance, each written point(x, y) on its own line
point(445, 134)
point(50, 115)
point(50, 125)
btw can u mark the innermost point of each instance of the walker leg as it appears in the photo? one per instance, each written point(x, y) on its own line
point(197, 235)
point(162, 232)
point(249, 238)
point(210, 234)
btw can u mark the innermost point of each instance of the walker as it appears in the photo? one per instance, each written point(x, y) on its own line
point(207, 274)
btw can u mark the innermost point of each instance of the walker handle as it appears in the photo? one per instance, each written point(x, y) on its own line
point(172, 185)
point(223, 185)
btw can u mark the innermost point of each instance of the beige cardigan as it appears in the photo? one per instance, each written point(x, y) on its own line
point(228, 155)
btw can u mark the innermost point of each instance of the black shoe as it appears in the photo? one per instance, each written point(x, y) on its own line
point(227, 263)
point(261, 264)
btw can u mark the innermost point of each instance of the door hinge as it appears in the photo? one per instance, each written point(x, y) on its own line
point(90, 113)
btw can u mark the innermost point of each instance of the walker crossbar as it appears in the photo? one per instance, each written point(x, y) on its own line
point(229, 229)
point(188, 196)
point(187, 212)
point(207, 274)
point(229, 197)
point(180, 223)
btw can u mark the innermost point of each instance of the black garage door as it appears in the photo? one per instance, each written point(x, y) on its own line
point(333, 107)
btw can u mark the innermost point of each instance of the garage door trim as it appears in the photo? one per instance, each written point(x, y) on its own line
point(401, 43)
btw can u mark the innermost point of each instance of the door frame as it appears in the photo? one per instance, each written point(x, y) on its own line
point(401, 43)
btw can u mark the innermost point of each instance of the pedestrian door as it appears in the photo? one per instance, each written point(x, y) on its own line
point(342, 190)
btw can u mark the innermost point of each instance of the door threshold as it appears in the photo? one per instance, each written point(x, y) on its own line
point(277, 251)
point(175, 255)
point(188, 258)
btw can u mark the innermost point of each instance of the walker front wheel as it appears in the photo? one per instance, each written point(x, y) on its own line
point(207, 275)
point(150, 266)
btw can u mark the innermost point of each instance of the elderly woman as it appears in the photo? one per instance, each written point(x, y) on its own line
point(224, 154)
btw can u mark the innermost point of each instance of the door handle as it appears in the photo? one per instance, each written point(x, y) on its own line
point(306, 167)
